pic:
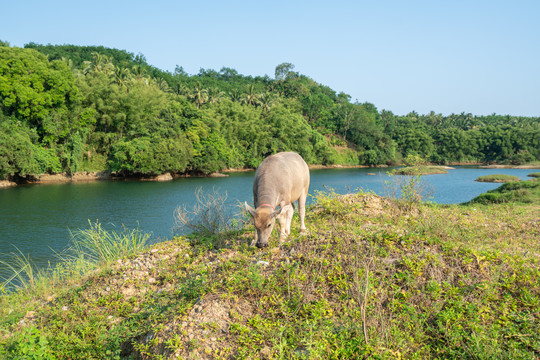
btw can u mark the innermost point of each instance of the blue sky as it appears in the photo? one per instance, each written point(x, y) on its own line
point(454, 56)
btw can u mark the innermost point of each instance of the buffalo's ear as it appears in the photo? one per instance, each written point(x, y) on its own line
point(276, 213)
point(249, 209)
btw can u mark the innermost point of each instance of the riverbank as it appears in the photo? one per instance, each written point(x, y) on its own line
point(86, 176)
point(371, 277)
point(531, 166)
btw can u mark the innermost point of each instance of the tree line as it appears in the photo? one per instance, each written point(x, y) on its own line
point(72, 108)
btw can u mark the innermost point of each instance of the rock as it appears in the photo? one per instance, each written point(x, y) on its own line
point(7, 183)
point(164, 177)
point(216, 174)
point(90, 176)
point(54, 178)
point(262, 263)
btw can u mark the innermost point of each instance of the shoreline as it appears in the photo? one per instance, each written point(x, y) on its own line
point(91, 176)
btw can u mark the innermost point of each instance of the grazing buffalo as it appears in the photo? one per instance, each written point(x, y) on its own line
point(280, 180)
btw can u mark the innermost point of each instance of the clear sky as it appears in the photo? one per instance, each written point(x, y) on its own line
point(451, 56)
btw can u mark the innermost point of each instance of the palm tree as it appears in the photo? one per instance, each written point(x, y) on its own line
point(199, 95)
point(215, 95)
point(235, 95)
point(121, 76)
point(266, 101)
point(100, 63)
point(250, 98)
point(138, 71)
point(181, 89)
point(162, 85)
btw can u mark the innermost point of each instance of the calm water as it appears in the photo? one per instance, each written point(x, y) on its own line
point(37, 218)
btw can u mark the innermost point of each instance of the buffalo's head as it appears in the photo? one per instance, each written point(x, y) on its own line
point(264, 218)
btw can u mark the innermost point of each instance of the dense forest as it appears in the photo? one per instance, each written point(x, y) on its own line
point(82, 108)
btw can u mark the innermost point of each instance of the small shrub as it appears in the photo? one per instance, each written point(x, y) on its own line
point(408, 189)
point(414, 160)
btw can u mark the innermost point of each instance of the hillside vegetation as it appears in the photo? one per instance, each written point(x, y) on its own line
point(69, 109)
point(374, 278)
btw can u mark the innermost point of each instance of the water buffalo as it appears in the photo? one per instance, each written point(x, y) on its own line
point(280, 180)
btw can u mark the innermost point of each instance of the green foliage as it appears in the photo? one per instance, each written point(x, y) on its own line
point(150, 155)
point(419, 170)
point(18, 153)
point(33, 95)
point(90, 107)
point(30, 345)
point(516, 191)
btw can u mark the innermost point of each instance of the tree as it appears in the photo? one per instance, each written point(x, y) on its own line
point(215, 95)
point(250, 98)
point(283, 71)
point(199, 95)
point(31, 87)
point(19, 156)
point(235, 95)
point(266, 101)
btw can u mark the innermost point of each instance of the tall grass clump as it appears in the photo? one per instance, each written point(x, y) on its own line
point(21, 273)
point(89, 249)
point(209, 217)
point(96, 246)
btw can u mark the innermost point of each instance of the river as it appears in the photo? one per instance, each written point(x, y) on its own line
point(37, 219)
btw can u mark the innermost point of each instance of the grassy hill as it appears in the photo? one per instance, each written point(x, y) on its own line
point(374, 278)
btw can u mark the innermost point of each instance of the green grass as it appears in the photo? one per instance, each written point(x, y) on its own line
point(371, 280)
point(89, 249)
point(497, 178)
point(420, 170)
point(517, 192)
point(535, 175)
